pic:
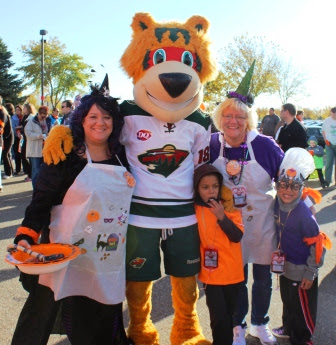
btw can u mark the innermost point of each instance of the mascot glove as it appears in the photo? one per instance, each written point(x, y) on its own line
point(59, 142)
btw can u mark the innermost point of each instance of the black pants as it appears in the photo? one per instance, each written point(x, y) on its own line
point(25, 162)
point(321, 177)
point(6, 157)
point(17, 153)
point(88, 322)
point(299, 310)
point(37, 318)
point(221, 301)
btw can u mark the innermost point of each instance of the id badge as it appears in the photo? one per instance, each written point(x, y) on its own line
point(210, 258)
point(278, 262)
point(239, 196)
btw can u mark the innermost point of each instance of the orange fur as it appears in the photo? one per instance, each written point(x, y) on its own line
point(144, 39)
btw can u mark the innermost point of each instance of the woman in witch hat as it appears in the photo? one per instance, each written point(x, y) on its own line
point(80, 200)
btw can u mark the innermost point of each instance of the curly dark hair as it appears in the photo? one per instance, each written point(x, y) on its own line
point(106, 104)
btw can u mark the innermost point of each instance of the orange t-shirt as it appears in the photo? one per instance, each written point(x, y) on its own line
point(230, 268)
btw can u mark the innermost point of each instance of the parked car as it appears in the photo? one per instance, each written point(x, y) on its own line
point(317, 131)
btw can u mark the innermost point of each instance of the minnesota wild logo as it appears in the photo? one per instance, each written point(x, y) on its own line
point(163, 161)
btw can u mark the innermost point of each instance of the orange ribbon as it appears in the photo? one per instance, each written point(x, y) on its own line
point(314, 194)
point(321, 240)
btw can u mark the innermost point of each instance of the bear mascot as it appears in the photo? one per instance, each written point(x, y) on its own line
point(166, 136)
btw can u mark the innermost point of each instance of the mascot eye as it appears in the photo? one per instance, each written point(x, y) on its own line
point(187, 58)
point(159, 56)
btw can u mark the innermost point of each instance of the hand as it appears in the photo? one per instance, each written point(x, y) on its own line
point(327, 142)
point(40, 136)
point(58, 143)
point(311, 152)
point(306, 284)
point(217, 209)
point(24, 243)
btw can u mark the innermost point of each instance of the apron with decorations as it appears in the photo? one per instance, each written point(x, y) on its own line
point(93, 216)
point(259, 239)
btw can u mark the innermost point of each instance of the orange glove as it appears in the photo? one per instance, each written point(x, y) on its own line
point(327, 142)
point(311, 152)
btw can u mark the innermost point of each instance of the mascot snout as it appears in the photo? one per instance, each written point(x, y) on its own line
point(175, 83)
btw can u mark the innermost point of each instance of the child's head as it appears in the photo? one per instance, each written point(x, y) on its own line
point(294, 169)
point(207, 183)
point(312, 141)
point(289, 191)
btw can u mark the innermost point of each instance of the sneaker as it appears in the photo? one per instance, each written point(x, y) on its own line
point(280, 332)
point(27, 179)
point(264, 334)
point(5, 177)
point(239, 336)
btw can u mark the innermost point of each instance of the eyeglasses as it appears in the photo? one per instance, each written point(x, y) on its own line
point(293, 186)
point(229, 117)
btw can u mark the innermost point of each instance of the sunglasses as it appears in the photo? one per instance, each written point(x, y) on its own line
point(292, 186)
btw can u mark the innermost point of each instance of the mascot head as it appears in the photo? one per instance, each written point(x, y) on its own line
point(169, 64)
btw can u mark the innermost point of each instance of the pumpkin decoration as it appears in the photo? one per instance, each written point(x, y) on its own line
point(93, 216)
point(291, 172)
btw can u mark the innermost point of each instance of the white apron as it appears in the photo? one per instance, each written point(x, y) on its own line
point(94, 216)
point(259, 239)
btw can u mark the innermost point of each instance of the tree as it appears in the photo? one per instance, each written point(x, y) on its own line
point(236, 59)
point(11, 86)
point(64, 73)
point(291, 82)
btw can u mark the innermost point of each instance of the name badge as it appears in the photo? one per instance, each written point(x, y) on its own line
point(278, 262)
point(239, 196)
point(210, 258)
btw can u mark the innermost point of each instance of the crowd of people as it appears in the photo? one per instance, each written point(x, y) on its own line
point(253, 178)
point(23, 131)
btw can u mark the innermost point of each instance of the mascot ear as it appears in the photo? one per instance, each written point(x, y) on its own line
point(199, 23)
point(142, 22)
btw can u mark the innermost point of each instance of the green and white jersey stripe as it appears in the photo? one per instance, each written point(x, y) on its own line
point(162, 158)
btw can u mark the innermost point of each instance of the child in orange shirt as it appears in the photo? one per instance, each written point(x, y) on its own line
point(220, 228)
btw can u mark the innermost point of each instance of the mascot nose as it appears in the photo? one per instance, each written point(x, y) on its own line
point(175, 83)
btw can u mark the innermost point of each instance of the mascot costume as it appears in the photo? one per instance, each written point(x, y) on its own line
point(166, 136)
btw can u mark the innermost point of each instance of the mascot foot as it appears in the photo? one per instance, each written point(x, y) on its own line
point(139, 299)
point(186, 329)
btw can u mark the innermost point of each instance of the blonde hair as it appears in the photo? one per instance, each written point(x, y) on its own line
point(236, 104)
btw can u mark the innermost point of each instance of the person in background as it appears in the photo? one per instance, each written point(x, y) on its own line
point(300, 250)
point(54, 117)
point(29, 112)
point(317, 152)
point(329, 135)
point(269, 123)
point(8, 140)
point(293, 133)
point(221, 229)
point(66, 108)
point(249, 163)
point(3, 120)
point(36, 131)
point(18, 137)
point(11, 111)
point(299, 115)
point(92, 173)
point(77, 101)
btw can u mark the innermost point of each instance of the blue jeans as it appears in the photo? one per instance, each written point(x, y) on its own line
point(261, 297)
point(330, 158)
point(35, 166)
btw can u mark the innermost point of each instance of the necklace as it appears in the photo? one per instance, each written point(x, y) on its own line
point(235, 167)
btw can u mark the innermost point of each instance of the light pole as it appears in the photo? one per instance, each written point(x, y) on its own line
point(42, 33)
